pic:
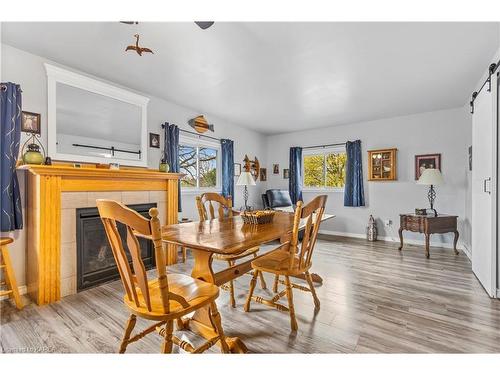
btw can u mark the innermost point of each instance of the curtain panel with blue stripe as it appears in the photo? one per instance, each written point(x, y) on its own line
point(354, 195)
point(172, 152)
point(227, 157)
point(295, 177)
point(11, 217)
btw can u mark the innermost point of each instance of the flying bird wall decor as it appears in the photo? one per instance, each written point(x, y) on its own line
point(138, 49)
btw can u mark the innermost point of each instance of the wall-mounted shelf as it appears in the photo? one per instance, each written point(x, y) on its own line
point(382, 165)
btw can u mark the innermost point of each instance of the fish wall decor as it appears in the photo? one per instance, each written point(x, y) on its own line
point(200, 124)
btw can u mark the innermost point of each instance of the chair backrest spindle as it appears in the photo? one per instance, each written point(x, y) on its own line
point(225, 206)
point(135, 279)
point(311, 215)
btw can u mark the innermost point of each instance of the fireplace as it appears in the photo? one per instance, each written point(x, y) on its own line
point(95, 260)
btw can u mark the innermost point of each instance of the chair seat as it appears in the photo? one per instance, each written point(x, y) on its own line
point(246, 253)
point(196, 292)
point(5, 241)
point(277, 262)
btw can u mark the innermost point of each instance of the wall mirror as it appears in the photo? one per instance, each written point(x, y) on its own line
point(93, 121)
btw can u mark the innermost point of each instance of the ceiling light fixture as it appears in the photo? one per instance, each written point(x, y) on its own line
point(204, 24)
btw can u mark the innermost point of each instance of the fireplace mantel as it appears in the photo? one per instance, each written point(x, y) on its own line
point(45, 185)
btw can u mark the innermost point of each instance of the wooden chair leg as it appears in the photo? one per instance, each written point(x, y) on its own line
point(218, 326)
point(291, 309)
point(128, 330)
point(253, 282)
point(313, 291)
point(262, 281)
point(181, 325)
point(184, 254)
point(10, 278)
point(167, 340)
point(276, 282)
point(231, 287)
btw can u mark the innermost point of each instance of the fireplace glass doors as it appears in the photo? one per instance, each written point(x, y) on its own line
point(95, 260)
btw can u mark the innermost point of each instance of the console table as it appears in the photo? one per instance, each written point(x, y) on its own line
point(428, 225)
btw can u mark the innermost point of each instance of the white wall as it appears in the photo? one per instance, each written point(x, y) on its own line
point(447, 132)
point(27, 70)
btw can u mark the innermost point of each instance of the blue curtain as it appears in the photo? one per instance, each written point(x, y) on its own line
point(354, 195)
point(172, 151)
point(295, 180)
point(11, 217)
point(227, 168)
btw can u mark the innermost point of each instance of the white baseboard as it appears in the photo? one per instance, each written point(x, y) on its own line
point(22, 291)
point(466, 250)
point(445, 245)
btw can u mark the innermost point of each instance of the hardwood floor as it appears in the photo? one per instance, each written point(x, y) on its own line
point(373, 299)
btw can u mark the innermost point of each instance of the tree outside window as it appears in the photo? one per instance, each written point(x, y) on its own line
point(324, 169)
point(199, 164)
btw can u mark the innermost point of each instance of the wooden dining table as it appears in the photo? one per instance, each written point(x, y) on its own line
point(224, 236)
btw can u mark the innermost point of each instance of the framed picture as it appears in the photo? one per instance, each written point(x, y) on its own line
point(263, 174)
point(237, 169)
point(423, 162)
point(276, 169)
point(286, 173)
point(30, 122)
point(154, 140)
point(470, 158)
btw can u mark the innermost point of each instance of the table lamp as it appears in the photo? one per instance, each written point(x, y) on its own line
point(245, 179)
point(431, 177)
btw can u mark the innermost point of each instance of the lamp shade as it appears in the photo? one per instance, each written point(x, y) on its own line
point(245, 179)
point(431, 177)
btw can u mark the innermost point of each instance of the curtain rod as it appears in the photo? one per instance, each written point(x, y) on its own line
point(491, 70)
point(112, 149)
point(3, 87)
point(329, 145)
point(189, 132)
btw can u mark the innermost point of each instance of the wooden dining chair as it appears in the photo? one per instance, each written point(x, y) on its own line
point(206, 211)
point(288, 260)
point(164, 299)
point(9, 282)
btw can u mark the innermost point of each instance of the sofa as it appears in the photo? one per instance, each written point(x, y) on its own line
point(277, 199)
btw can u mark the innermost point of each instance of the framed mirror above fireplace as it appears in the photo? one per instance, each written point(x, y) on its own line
point(94, 121)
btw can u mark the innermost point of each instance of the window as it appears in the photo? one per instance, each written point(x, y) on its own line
point(324, 168)
point(199, 162)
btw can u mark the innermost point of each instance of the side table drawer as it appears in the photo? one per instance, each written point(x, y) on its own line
point(414, 224)
point(443, 225)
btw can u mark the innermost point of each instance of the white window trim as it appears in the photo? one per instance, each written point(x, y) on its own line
point(324, 151)
point(199, 142)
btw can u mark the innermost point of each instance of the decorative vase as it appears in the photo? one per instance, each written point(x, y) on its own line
point(371, 230)
point(33, 155)
point(164, 167)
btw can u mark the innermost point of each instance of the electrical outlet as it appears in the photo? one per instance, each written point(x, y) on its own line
point(388, 222)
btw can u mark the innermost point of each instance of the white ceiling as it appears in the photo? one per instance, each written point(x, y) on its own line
point(279, 77)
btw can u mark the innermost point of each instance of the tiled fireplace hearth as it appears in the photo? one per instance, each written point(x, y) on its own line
point(73, 204)
point(55, 193)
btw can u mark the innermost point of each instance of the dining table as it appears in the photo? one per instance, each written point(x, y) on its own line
point(224, 236)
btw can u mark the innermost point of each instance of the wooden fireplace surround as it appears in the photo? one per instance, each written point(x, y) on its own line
point(43, 209)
